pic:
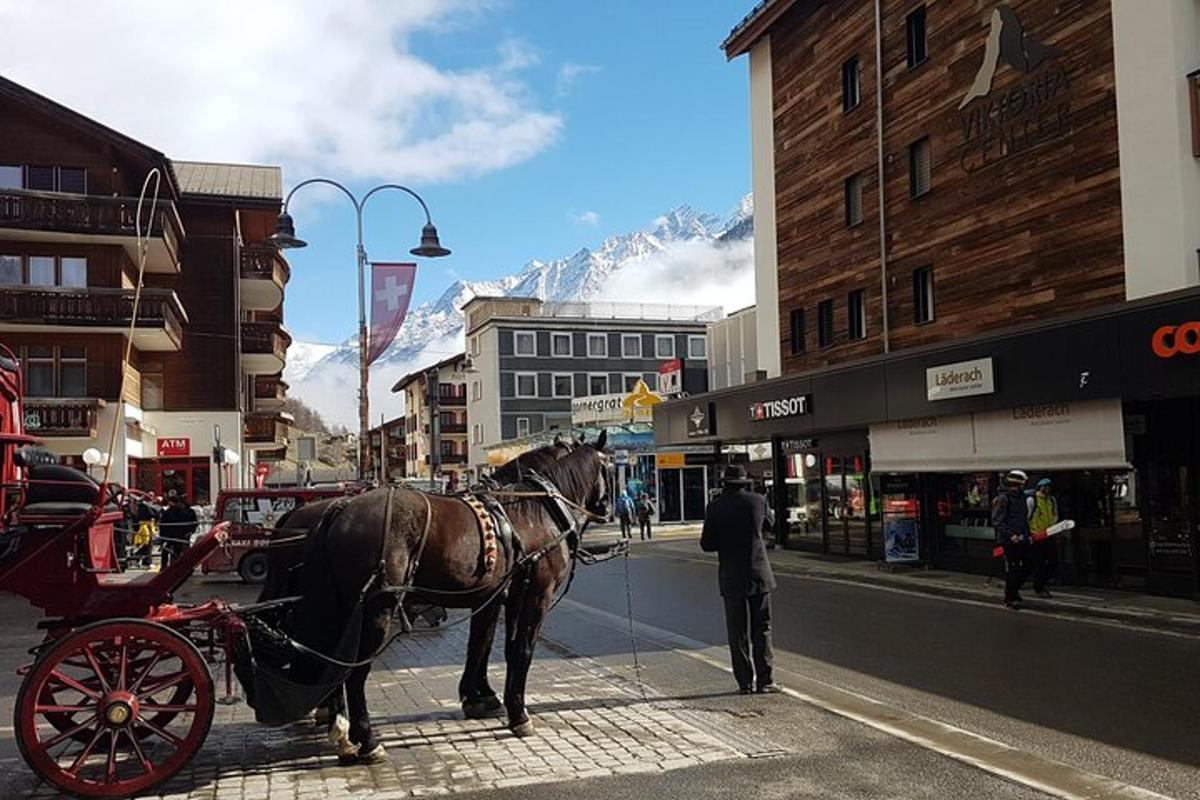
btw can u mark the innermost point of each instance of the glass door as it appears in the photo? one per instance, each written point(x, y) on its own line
point(694, 493)
point(670, 501)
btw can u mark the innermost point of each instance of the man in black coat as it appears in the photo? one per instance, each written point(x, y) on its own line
point(1011, 521)
point(733, 528)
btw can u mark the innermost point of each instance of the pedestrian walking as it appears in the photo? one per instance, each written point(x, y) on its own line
point(176, 527)
point(734, 523)
point(645, 512)
point(1042, 510)
point(624, 511)
point(1011, 520)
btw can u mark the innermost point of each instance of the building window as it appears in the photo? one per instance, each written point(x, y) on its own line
point(474, 345)
point(597, 345)
point(522, 426)
point(920, 168)
point(664, 346)
point(915, 25)
point(923, 295)
point(525, 343)
point(850, 94)
point(41, 271)
point(856, 308)
point(825, 323)
point(697, 347)
point(854, 200)
point(72, 180)
point(527, 384)
point(11, 176)
point(476, 390)
point(55, 371)
point(564, 385)
point(10, 271)
point(39, 372)
point(39, 179)
point(631, 345)
point(476, 433)
point(72, 372)
point(560, 345)
point(152, 386)
point(797, 331)
point(72, 272)
point(598, 384)
point(630, 380)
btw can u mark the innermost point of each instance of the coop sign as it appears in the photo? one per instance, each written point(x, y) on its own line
point(796, 406)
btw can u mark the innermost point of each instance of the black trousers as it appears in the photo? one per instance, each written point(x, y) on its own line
point(1044, 557)
point(644, 528)
point(748, 622)
point(626, 525)
point(1016, 570)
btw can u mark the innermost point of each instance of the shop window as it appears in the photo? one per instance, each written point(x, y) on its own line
point(522, 426)
point(853, 192)
point(527, 384)
point(825, 323)
point(597, 345)
point(920, 168)
point(850, 88)
point(11, 176)
point(564, 385)
point(631, 345)
point(11, 273)
point(560, 345)
point(797, 332)
point(857, 312)
point(664, 346)
point(525, 343)
point(923, 295)
point(915, 26)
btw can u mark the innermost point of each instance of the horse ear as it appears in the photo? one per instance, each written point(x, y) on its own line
point(603, 440)
point(581, 439)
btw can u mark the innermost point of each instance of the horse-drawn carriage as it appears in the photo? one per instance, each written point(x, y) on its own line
point(120, 695)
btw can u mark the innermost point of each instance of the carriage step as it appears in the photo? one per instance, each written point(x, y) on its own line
point(229, 700)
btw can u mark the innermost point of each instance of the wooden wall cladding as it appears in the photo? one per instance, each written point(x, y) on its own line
point(108, 265)
point(1013, 233)
point(104, 353)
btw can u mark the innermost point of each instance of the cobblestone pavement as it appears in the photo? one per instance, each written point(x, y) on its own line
point(590, 722)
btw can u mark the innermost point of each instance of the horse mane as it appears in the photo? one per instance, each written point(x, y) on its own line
point(537, 460)
point(574, 473)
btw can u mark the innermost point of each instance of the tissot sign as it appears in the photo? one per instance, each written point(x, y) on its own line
point(997, 123)
point(796, 406)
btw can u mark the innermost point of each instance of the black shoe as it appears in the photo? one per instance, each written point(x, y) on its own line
point(1014, 605)
point(1044, 593)
point(745, 690)
point(770, 688)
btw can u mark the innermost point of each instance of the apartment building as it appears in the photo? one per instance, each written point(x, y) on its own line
point(733, 349)
point(209, 346)
point(976, 249)
point(387, 451)
point(435, 430)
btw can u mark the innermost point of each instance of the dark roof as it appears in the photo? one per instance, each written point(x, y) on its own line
point(119, 140)
point(410, 377)
point(230, 180)
point(753, 25)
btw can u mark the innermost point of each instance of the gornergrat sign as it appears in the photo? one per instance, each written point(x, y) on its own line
point(796, 406)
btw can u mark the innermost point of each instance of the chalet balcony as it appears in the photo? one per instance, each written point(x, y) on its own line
point(264, 347)
point(454, 400)
point(269, 392)
point(54, 309)
point(453, 458)
point(63, 416)
point(267, 430)
point(453, 428)
point(264, 273)
point(92, 219)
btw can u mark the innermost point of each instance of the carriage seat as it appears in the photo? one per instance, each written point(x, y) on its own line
point(66, 491)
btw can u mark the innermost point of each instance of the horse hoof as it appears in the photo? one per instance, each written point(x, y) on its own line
point(491, 702)
point(522, 729)
point(377, 755)
point(322, 716)
point(482, 707)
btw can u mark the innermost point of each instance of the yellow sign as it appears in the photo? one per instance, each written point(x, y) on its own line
point(641, 397)
point(670, 460)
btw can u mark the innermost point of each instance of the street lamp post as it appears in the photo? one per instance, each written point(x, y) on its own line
point(284, 237)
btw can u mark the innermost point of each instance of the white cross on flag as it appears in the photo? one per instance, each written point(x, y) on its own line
point(391, 288)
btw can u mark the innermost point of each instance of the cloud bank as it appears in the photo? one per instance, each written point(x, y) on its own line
point(695, 272)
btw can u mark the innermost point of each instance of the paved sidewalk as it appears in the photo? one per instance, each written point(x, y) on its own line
point(590, 723)
point(1163, 613)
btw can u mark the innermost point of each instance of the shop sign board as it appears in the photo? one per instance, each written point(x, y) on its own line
point(962, 379)
point(796, 406)
point(177, 446)
point(670, 377)
point(700, 421)
point(901, 539)
point(670, 460)
point(620, 457)
point(637, 406)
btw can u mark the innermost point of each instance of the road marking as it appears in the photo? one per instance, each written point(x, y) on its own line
point(1043, 774)
point(1025, 611)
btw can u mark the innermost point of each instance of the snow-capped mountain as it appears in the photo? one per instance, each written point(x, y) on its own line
point(678, 242)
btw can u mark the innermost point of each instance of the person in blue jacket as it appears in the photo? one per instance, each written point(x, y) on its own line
point(624, 509)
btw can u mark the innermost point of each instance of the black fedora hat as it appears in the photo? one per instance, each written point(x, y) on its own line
point(734, 474)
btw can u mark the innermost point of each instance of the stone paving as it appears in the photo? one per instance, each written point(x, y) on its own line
point(590, 722)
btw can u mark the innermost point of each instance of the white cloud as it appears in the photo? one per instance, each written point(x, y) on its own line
point(569, 74)
point(590, 218)
point(315, 86)
point(696, 272)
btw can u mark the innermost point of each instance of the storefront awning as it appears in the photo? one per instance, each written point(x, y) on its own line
point(1050, 436)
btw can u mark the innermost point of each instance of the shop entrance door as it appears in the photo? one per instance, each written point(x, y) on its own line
point(682, 495)
point(187, 476)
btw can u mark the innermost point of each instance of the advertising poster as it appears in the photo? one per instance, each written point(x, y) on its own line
point(901, 540)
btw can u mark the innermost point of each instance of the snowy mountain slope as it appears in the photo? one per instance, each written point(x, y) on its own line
point(676, 243)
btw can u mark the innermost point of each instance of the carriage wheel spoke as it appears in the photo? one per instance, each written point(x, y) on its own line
point(110, 775)
point(166, 683)
point(91, 657)
point(78, 763)
point(173, 708)
point(67, 734)
point(147, 766)
point(158, 655)
point(157, 731)
point(123, 667)
point(69, 682)
point(55, 709)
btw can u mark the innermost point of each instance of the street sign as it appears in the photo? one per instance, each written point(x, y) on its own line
point(306, 448)
point(670, 460)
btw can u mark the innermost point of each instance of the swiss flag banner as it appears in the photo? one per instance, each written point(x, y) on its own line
point(391, 288)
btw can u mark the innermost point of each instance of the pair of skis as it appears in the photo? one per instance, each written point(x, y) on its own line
point(1053, 530)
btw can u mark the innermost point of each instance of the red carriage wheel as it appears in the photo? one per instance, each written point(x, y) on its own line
point(114, 709)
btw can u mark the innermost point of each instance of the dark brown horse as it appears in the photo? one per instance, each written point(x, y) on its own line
point(386, 539)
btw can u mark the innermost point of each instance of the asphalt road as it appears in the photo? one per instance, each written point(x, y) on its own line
point(1115, 701)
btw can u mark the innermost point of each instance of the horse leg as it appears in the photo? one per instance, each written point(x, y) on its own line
point(478, 698)
point(365, 748)
point(522, 621)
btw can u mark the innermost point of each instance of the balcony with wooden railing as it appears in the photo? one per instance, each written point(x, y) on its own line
point(264, 273)
point(453, 428)
point(93, 219)
point(63, 416)
point(93, 309)
point(266, 430)
point(269, 392)
point(264, 347)
point(458, 400)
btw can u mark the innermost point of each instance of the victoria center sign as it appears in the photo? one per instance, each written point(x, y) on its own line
point(964, 379)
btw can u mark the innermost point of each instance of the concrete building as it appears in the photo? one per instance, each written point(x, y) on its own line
point(435, 430)
point(733, 350)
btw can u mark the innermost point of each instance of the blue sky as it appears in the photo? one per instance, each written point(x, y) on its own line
point(651, 116)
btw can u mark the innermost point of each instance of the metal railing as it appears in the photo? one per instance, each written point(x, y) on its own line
point(86, 214)
point(63, 416)
point(92, 306)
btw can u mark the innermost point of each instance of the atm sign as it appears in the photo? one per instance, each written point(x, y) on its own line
point(174, 447)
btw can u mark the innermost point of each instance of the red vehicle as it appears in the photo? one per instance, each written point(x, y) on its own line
point(252, 514)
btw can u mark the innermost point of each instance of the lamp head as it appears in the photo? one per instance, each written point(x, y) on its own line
point(430, 246)
point(284, 236)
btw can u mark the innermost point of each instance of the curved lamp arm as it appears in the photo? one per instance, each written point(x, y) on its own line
point(417, 197)
point(327, 182)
